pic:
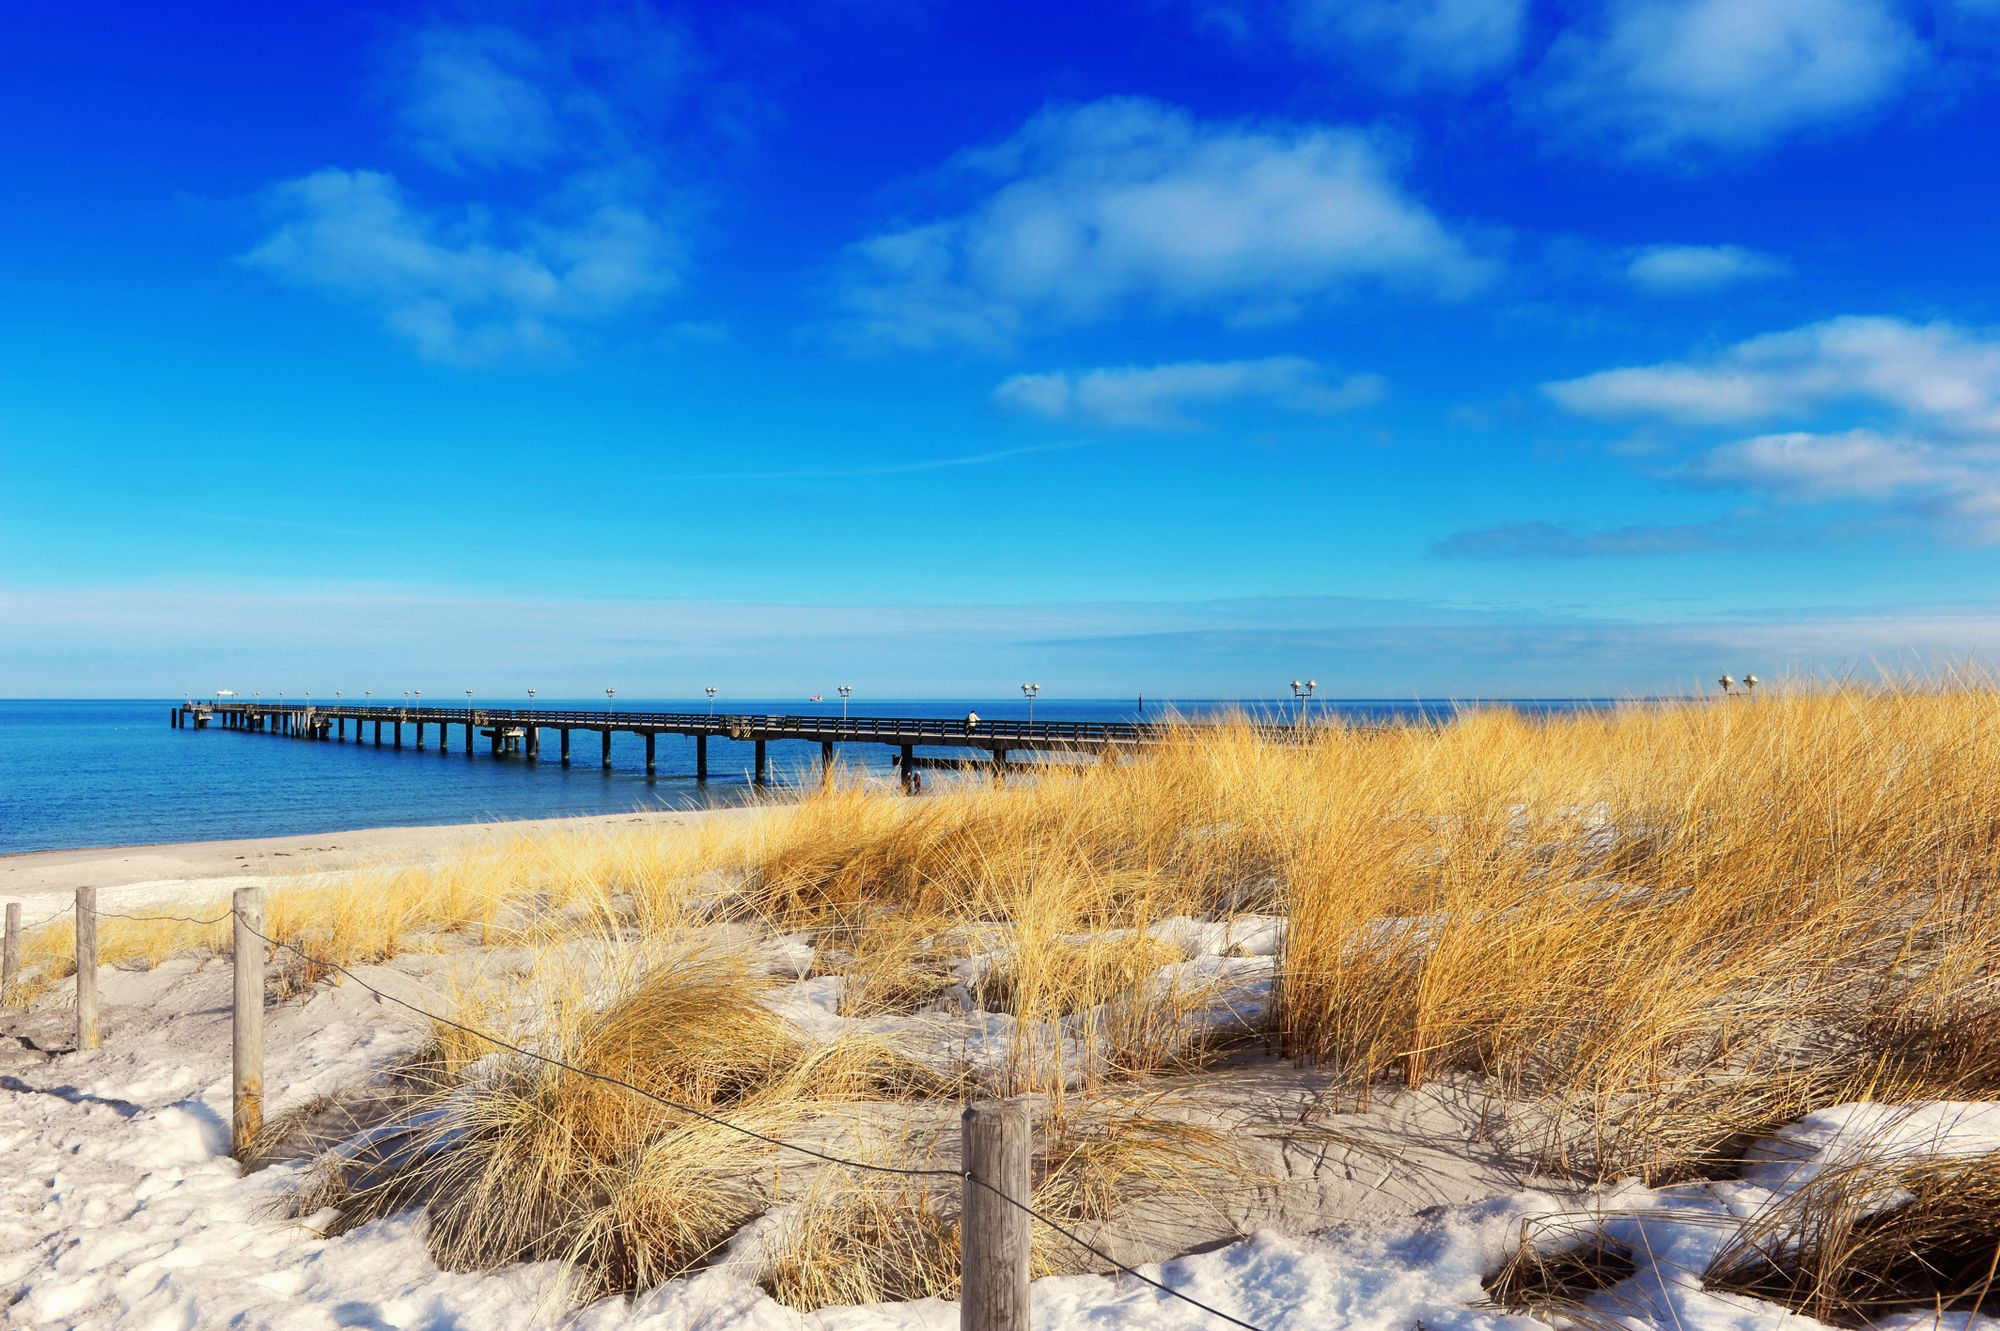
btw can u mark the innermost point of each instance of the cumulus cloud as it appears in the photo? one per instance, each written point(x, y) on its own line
point(1693, 270)
point(1095, 210)
point(1415, 42)
point(1158, 397)
point(1878, 412)
point(571, 222)
point(1662, 77)
point(1939, 371)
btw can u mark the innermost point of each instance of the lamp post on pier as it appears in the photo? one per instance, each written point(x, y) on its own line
point(845, 691)
point(1304, 692)
point(1031, 692)
point(710, 691)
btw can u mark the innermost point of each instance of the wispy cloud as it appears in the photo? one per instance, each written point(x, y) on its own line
point(1697, 270)
point(1096, 210)
point(1548, 540)
point(579, 225)
point(150, 640)
point(1661, 78)
point(1414, 42)
point(1160, 397)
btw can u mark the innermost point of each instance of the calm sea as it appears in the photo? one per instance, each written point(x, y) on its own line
point(112, 773)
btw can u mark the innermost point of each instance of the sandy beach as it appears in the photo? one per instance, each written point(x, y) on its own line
point(176, 870)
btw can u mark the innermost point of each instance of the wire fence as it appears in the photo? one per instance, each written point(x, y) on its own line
point(963, 1175)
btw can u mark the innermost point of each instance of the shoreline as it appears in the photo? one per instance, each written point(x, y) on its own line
point(169, 868)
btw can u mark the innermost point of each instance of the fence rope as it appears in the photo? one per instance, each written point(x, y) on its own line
point(964, 1175)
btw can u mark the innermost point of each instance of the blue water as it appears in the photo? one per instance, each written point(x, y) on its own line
point(113, 773)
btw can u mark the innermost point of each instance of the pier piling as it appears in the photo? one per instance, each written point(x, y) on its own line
point(607, 748)
point(564, 732)
point(763, 767)
point(650, 737)
point(701, 757)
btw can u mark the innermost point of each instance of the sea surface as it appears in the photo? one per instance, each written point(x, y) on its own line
point(115, 773)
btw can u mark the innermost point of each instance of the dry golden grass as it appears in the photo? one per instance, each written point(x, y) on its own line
point(1673, 926)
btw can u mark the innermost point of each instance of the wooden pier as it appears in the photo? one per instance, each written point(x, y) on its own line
point(520, 730)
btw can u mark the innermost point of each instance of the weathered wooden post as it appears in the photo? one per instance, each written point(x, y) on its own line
point(701, 757)
point(763, 767)
point(246, 1084)
point(607, 748)
point(86, 968)
point(564, 732)
point(468, 735)
point(10, 953)
point(649, 752)
point(907, 761)
point(420, 734)
point(993, 1243)
point(399, 734)
point(534, 743)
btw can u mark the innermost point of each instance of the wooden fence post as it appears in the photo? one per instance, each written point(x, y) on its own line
point(10, 953)
point(246, 1085)
point(86, 968)
point(993, 1238)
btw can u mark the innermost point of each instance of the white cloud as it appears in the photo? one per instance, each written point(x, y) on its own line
point(1947, 375)
point(1157, 397)
point(1665, 76)
point(1415, 41)
point(448, 286)
point(1685, 270)
point(1877, 411)
point(581, 230)
point(1802, 467)
point(473, 99)
point(1091, 211)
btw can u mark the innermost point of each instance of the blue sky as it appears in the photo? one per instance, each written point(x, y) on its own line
point(1445, 346)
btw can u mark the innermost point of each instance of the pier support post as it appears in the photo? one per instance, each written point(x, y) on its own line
point(534, 743)
point(564, 732)
point(86, 968)
point(826, 760)
point(701, 757)
point(607, 748)
point(493, 746)
point(378, 734)
point(246, 1083)
point(993, 1238)
point(650, 737)
point(10, 953)
point(399, 734)
point(420, 735)
point(999, 767)
point(763, 767)
point(906, 761)
point(468, 736)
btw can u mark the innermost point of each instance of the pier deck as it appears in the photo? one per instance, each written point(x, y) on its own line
point(509, 729)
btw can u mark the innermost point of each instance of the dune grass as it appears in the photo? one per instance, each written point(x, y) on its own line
point(1670, 927)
